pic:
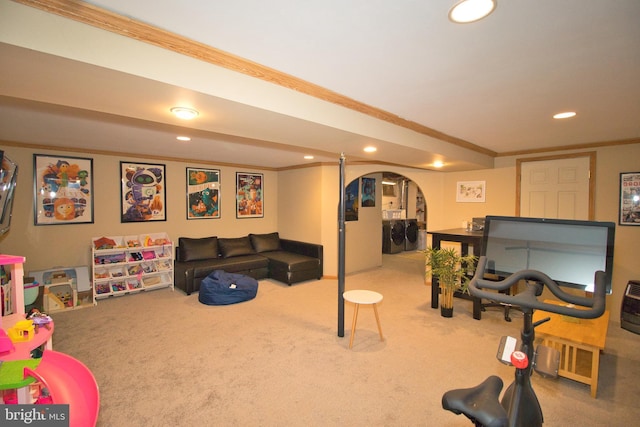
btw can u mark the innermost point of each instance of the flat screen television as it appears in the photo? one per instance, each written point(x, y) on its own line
point(568, 251)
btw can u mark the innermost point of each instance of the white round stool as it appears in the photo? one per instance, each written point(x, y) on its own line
point(363, 297)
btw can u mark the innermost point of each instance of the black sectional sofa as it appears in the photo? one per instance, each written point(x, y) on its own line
point(259, 256)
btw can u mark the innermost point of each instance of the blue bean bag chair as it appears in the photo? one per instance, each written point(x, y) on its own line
point(222, 288)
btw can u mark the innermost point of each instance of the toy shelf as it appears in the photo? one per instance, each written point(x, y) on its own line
point(130, 264)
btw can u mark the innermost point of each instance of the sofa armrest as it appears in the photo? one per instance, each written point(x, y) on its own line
point(183, 276)
point(303, 248)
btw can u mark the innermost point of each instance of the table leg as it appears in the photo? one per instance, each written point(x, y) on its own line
point(435, 288)
point(353, 325)
point(595, 365)
point(477, 308)
point(375, 310)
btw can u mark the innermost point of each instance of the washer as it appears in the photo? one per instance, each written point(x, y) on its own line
point(393, 236)
point(410, 234)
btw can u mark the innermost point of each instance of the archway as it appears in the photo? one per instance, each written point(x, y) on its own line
point(391, 222)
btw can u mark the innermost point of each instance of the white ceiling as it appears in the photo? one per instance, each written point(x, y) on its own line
point(494, 83)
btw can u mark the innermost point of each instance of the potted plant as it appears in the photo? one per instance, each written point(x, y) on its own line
point(453, 272)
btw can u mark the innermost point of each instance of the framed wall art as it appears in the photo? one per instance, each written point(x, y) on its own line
point(249, 195)
point(629, 198)
point(63, 190)
point(470, 191)
point(368, 192)
point(142, 192)
point(351, 197)
point(203, 193)
point(8, 178)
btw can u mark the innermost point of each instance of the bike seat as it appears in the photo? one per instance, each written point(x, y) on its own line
point(481, 404)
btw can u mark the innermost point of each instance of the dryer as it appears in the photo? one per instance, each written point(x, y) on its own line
point(393, 236)
point(410, 234)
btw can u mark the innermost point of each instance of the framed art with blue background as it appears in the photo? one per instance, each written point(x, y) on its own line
point(368, 192)
point(351, 201)
point(203, 193)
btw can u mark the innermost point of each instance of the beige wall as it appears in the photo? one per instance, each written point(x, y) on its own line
point(363, 238)
point(70, 245)
point(302, 204)
point(299, 200)
point(444, 212)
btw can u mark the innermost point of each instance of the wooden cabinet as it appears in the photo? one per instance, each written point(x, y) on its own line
point(127, 264)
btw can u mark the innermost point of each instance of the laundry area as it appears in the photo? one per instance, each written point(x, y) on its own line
point(403, 215)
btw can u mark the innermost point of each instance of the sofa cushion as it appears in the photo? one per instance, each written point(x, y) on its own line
point(194, 249)
point(291, 262)
point(265, 242)
point(237, 246)
point(202, 269)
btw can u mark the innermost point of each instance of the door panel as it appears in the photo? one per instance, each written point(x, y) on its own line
point(556, 188)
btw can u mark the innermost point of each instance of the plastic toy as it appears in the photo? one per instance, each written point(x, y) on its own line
point(104, 243)
point(39, 319)
point(6, 345)
point(10, 397)
point(68, 380)
point(59, 378)
point(22, 331)
point(44, 398)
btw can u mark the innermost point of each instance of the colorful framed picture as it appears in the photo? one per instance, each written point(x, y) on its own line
point(629, 198)
point(249, 195)
point(142, 192)
point(351, 196)
point(63, 190)
point(470, 191)
point(368, 192)
point(203, 193)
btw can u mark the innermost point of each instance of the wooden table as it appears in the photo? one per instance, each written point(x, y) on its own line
point(579, 342)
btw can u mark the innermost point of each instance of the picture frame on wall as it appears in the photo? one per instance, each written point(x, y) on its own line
point(629, 198)
point(142, 192)
point(351, 201)
point(368, 192)
point(203, 193)
point(249, 195)
point(63, 190)
point(8, 178)
point(470, 191)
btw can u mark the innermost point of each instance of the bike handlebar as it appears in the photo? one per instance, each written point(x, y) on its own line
point(528, 298)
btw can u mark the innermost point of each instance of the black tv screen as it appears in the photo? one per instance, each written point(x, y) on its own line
point(568, 251)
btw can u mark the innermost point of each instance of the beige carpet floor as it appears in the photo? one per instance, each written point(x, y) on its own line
point(163, 359)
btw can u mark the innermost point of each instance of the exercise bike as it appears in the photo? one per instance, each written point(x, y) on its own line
point(519, 406)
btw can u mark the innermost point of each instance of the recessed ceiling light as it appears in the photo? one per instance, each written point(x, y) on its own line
point(466, 11)
point(184, 113)
point(438, 164)
point(183, 138)
point(370, 149)
point(565, 115)
point(308, 157)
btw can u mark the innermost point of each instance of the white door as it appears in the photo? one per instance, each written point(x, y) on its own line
point(556, 188)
